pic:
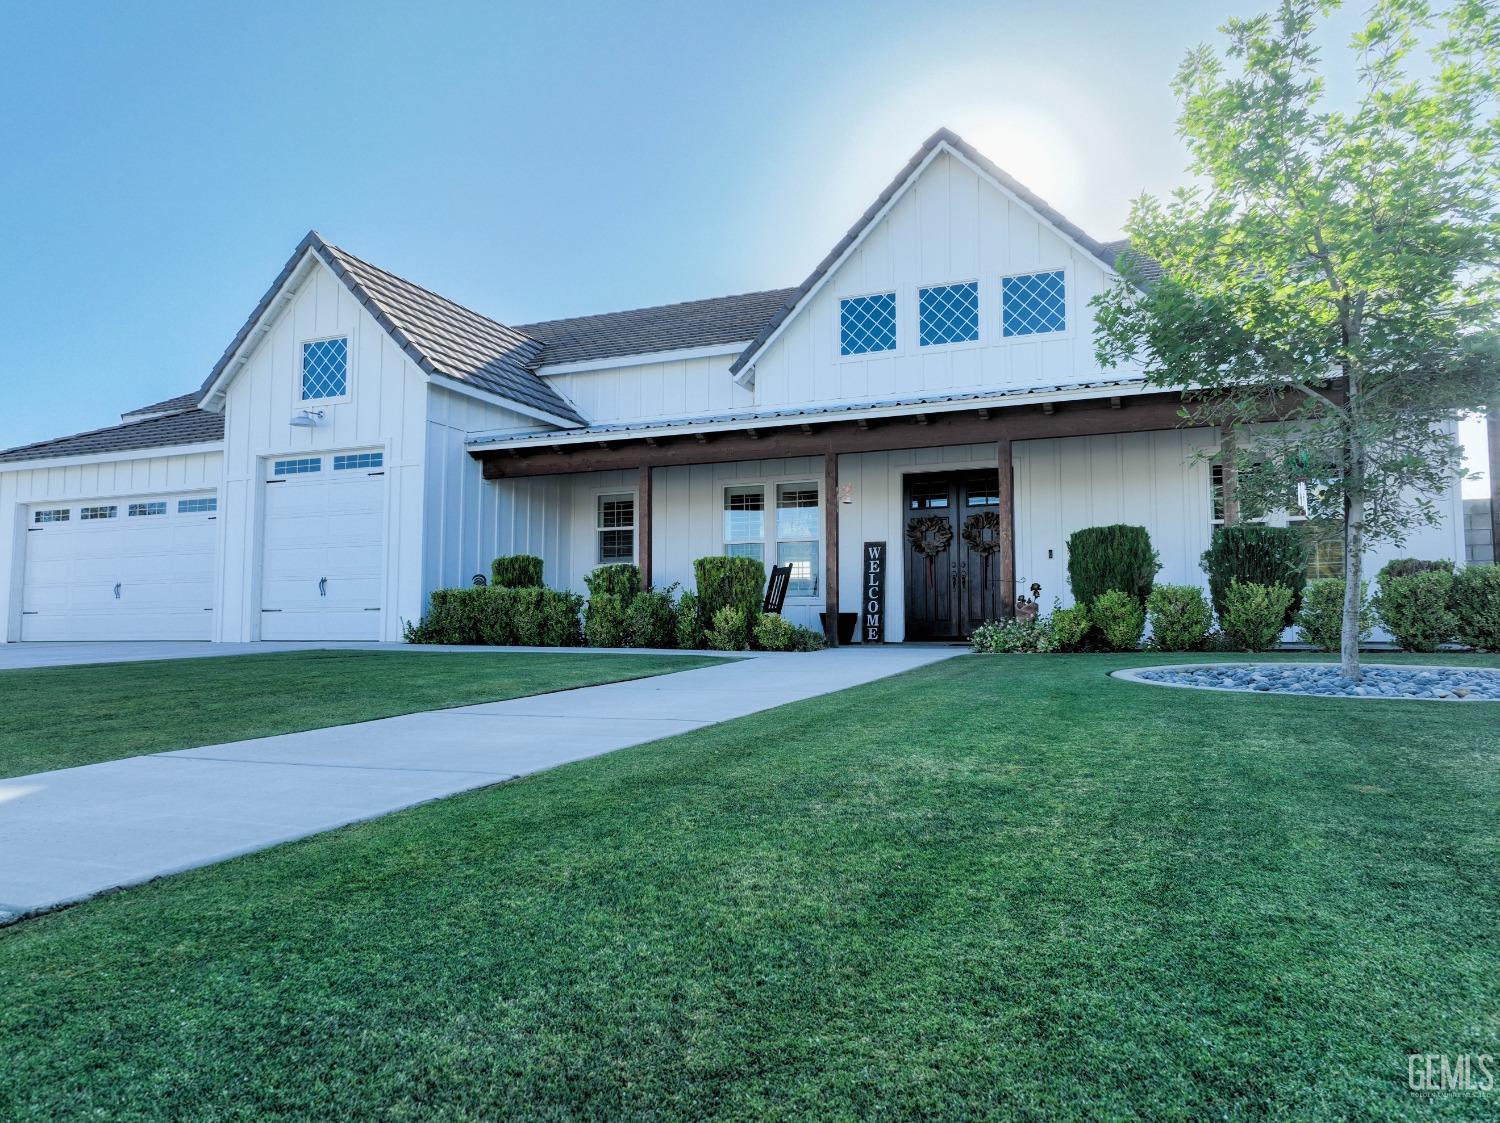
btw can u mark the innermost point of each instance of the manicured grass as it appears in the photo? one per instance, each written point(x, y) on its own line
point(1002, 886)
point(58, 717)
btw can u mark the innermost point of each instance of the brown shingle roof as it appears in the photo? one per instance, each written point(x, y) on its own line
point(185, 427)
point(666, 327)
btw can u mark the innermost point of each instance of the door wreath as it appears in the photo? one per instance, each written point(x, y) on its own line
point(929, 536)
point(982, 535)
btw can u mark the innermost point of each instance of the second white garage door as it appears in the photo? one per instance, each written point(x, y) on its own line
point(323, 547)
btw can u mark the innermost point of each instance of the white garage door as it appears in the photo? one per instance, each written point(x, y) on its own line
point(120, 569)
point(324, 547)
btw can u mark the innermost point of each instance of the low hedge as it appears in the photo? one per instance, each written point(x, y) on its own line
point(1414, 609)
point(1474, 601)
point(1321, 619)
point(1256, 555)
point(1180, 617)
point(1254, 615)
point(527, 617)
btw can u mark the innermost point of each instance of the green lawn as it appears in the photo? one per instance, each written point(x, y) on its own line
point(58, 717)
point(1002, 886)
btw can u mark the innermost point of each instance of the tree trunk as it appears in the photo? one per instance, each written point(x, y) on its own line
point(1354, 549)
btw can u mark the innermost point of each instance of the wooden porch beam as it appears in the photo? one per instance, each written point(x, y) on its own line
point(1092, 418)
point(643, 524)
point(831, 546)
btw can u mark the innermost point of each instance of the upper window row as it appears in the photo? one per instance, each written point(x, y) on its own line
point(1030, 304)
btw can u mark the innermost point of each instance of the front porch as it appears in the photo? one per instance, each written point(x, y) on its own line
point(815, 491)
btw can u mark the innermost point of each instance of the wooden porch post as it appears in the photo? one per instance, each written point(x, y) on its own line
point(1007, 513)
point(831, 546)
point(643, 525)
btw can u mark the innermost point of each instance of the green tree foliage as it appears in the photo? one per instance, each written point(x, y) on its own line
point(1333, 269)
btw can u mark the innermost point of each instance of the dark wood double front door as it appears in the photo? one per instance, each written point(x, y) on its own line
point(951, 531)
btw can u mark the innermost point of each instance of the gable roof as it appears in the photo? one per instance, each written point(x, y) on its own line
point(181, 427)
point(665, 327)
point(1147, 269)
point(443, 338)
point(942, 138)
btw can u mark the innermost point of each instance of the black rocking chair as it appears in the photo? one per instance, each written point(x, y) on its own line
point(781, 577)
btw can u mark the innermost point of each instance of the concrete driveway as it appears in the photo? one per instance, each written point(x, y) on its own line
point(71, 834)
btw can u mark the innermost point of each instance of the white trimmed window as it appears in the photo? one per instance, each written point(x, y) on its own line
point(1033, 303)
point(53, 515)
point(867, 323)
point(98, 512)
point(614, 526)
point(155, 507)
point(325, 369)
point(792, 537)
point(198, 506)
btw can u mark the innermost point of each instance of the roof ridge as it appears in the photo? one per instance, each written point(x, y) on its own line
point(422, 288)
point(658, 307)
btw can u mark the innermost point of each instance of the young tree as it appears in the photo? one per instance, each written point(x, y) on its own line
point(1333, 275)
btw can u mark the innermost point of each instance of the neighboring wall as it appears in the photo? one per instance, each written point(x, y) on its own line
point(653, 391)
point(111, 479)
point(1479, 542)
point(951, 226)
point(386, 409)
point(466, 517)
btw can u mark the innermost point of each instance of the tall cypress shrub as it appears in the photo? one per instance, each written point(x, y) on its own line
point(516, 571)
point(1101, 558)
point(1256, 555)
point(730, 583)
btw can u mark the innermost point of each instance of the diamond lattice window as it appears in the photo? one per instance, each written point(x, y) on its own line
point(867, 323)
point(948, 314)
point(1033, 303)
point(325, 369)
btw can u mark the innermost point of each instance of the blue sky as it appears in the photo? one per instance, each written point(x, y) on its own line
point(160, 161)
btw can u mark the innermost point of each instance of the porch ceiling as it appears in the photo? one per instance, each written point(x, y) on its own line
point(951, 422)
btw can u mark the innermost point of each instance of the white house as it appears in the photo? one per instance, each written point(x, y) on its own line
point(363, 441)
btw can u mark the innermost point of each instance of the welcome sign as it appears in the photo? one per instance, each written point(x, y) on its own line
point(873, 594)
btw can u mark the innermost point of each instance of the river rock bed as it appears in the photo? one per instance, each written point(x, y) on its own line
point(1451, 684)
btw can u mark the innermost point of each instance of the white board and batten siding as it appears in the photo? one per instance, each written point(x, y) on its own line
point(470, 519)
point(384, 410)
point(149, 576)
point(951, 226)
point(690, 387)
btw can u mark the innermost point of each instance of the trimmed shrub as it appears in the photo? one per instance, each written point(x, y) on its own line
point(622, 580)
point(689, 623)
point(1321, 619)
point(728, 630)
point(604, 621)
point(730, 583)
point(776, 633)
point(1070, 626)
point(1254, 615)
point(1101, 558)
point(516, 571)
point(1119, 618)
point(1022, 636)
point(1415, 609)
point(1180, 617)
point(651, 619)
point(528, 617)
point(1474, 601)
point(1256, 555)
point(1410, 567)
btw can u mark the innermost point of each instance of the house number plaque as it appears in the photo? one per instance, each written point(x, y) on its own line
point(872, 593)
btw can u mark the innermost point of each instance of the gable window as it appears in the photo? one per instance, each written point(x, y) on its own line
point(198, 506)
point(56, 515)
point(1033, 304)
point(867, 324)
point(325, 369)
point(792, 539)
point(98, 512)
point(948, 314)
point(615, 528)
point(136, 510)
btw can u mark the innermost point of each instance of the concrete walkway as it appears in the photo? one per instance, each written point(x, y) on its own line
point(70, 834)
